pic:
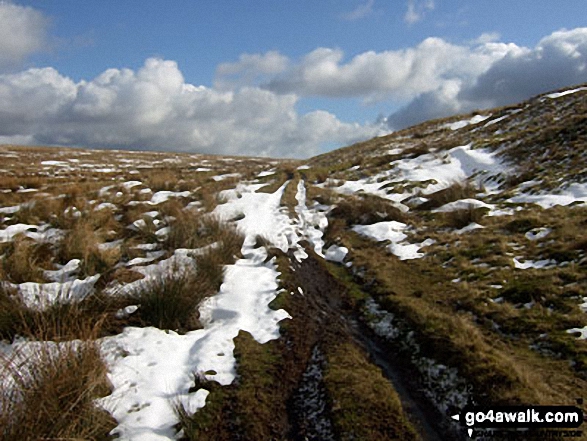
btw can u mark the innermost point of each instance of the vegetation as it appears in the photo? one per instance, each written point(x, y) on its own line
point(494, 305)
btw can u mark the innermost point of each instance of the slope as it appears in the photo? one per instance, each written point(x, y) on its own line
point(368, 293)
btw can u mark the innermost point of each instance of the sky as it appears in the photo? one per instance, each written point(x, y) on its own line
point(276, 78)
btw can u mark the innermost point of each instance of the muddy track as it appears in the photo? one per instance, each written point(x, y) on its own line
point(329, 297)
point(292, 402)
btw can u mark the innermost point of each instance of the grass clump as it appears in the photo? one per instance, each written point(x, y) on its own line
point(51, 393)
point(465, 216)
point(366, 210)
point(168, 301)
point(455, 192)
point(62, 320)
point(24, 260)
point(10, 309)
point(82, 242)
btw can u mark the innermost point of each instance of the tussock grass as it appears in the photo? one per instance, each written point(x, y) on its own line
point(82, 242)
point(25, 259)
point(456, 191)
point(365, 210)
point(51, 395)
point(185, 231)
point(161, 179)
point(169, 301)
point(47, 209)
point(61, 321)
point(192, 230)
point(461, 218)
point(10, 313)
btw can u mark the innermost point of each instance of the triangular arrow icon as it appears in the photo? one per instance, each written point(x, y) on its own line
point(455, 417)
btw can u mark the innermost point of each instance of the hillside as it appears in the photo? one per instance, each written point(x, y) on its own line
point(368, 293)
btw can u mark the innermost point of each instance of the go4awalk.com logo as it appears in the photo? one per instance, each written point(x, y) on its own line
point(488, 422)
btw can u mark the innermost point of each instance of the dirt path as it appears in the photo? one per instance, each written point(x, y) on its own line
point(328, 297)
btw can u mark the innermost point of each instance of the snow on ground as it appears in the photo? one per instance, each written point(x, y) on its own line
point(10, 210)
point(336, 254)
point(162, 196)
point(462, 204)
point(533, 264)
point(465, 122)
point(42, 295)
point(472, 226)
point(394, 232)
point(226, 176)
point(151, 370)
point(258, 214)
point(312, 222)
point(434, 170)
point(7, 234)
point(566, 92)
point(573, 193)
point(538, 233)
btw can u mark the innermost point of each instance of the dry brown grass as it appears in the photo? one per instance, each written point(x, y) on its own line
point(366, 210)
point(82, 242)
point(161, 179)
point(461, 218)
point(24, 260)
point(169, 301)
point(60, 321)
point(52, 394)
point(456, 191)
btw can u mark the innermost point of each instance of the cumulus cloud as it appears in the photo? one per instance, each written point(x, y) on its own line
point(361, 11)
point(558, 60)
point(437, 78)
point(23, 31)
point(154, 108)
point(249, 69)
point(399, 75)
point(417, 9)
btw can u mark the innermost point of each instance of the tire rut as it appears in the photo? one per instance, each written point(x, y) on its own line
point(327, 296)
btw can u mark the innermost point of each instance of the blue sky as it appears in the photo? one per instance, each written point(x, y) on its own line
point(270, 77)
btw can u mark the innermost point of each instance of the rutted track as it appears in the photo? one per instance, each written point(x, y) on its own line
point(327, 295)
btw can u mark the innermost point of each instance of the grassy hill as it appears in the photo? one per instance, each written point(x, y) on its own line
point(368, 293)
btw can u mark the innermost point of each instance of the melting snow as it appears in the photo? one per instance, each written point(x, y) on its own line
point(573, 193)
point(42, 295)
point(7, 234)
point(393, 231)
point(538, 264)
point(538, 233)
point(465, 122)
point(162, 196)
point(462, 204)
point(336, 254)
point(150, 369)
point(438, 170)
point(566, 92)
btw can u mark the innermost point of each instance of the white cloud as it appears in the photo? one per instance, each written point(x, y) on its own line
point(436, 78)
point(417, 9)
point(398, 75)
point(249, 69)
point(23, 31)
point(361, 11)
point(558, 60)
point(154, 108)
